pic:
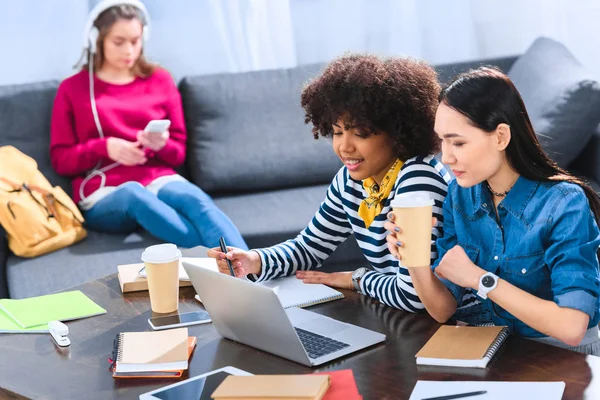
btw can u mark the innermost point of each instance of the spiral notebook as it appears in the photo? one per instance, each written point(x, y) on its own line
point(462, 346)
point(148, 374)
point(292, 292)
point(151, 351)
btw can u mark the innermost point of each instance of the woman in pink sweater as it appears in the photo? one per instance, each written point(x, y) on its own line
point(124, 177)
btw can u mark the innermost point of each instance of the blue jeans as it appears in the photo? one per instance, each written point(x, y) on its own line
point(181, 213)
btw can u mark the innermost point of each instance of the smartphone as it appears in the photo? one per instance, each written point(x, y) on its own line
point(179, 320)
point(157, 126)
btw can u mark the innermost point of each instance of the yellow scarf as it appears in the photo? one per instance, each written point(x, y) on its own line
point(371, 207)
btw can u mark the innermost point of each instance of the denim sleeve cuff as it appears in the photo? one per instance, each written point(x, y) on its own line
point(263, 267)
point(435, 263)
point(578, 300)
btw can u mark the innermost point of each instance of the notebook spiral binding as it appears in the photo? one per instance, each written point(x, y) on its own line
point(497, 343)
point(117, 352)
point(315, 302)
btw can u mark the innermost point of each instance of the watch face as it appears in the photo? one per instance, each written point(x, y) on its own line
point(488, 281)
point(358, 273)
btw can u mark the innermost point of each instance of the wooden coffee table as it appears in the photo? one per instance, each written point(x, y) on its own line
point(31, 366)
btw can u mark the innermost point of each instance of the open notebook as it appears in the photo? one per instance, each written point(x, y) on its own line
point(494, 390)
point(292, 292)
point(462, 346)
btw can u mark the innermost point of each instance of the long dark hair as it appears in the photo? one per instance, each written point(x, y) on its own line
point(488, 98)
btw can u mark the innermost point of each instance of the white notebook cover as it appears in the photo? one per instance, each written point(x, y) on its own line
point(495, 390)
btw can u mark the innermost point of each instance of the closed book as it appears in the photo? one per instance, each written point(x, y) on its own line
point(36, 311)
point(158, 374)
point(462, 346)
point(151, 351)
point(131, 280)
point(284, 387)
point(343, 385)
point(8, 325)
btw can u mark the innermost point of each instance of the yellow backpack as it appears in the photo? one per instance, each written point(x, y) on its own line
point(37, 217)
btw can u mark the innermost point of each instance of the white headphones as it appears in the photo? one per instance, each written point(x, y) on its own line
point(90, 36)
point(90, 39)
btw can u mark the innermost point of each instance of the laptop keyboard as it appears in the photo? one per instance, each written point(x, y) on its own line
point(316, 345)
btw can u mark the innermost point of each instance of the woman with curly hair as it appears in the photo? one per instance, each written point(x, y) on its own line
point(379, 114)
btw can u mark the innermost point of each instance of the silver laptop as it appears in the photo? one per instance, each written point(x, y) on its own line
point(252, 314)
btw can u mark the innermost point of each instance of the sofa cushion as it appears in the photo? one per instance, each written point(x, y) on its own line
point(264, 219)
point(247, 132)
point(562, 98)
point(269, 218)
point(25, 112)
point(96, 256)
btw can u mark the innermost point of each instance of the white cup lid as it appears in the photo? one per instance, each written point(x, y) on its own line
point(161, 253)
point(408, 200)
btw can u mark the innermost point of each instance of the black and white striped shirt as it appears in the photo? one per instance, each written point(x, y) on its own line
point(337, 218)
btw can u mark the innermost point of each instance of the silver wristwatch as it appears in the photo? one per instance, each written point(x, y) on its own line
point(357, 275)
point(487, 283)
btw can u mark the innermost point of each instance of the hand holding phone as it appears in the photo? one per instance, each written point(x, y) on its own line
point(155, 135)
point(157, 126)
point(179, 320)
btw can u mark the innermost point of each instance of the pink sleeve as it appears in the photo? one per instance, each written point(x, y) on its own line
point(173, 154)
point(68, 156)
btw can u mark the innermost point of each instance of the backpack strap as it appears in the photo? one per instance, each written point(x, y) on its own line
point(15, 185)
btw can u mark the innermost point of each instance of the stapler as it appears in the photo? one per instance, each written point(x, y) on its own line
point(59, 332)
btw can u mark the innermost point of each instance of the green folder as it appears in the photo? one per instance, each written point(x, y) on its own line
point(8, 325)
point(40, 310)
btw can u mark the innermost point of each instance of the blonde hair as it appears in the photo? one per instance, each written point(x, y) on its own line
point(142, 67)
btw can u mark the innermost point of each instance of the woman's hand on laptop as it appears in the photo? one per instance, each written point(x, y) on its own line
point(243, 262)
point(342, 280)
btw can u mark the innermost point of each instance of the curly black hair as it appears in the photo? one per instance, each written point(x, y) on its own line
point(396, 96)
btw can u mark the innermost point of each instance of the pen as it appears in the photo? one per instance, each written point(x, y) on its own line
point(457, 396)
point(224, 250)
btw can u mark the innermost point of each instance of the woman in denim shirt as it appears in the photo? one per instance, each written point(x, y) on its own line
point(519, 231)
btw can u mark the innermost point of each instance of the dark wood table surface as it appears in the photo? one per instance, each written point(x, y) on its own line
point(31, 366)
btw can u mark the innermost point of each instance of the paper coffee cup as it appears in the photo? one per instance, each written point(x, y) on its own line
point(162, 271)
point(414, 214)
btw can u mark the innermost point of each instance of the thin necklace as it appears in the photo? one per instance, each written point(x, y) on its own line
point(496, 193)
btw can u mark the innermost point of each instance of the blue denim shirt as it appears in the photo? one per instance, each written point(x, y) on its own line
point(544, 241)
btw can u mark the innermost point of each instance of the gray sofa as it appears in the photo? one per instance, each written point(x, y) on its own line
point(248, 147)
